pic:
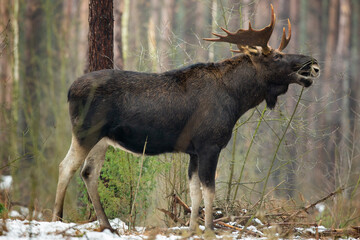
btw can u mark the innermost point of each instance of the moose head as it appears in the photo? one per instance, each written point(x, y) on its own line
point(278, 69)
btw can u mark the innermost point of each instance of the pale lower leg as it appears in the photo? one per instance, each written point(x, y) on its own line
point(73, 160)
point(90, 174)
point(209, 195)
point(196, 196)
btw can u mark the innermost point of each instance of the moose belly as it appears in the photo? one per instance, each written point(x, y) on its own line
point(138, 139)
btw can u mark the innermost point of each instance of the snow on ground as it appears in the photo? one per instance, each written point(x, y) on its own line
point(37, 230)
point(14, 229)
point(18, 229)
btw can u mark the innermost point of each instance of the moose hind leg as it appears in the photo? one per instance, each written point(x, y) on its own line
point(195, 191)
point(73, 160)
point(90, 174)
point(207, 168)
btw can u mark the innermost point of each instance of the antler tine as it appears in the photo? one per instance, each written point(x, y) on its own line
point(227, 31)
point(285, 40)
point(221, 38)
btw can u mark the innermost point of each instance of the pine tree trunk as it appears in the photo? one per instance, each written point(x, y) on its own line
point(118, 50)
point(199, 29)
point(343, 53)
point(154, 35)
point(133, 36)
point(189, 34)
point(101, 35)
point(327, 121)
point(6, 83)
point(167, 18)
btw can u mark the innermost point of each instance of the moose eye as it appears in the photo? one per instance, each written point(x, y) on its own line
point(277, 57)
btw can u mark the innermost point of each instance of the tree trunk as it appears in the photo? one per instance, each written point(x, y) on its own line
point(6, 84)
point(133, 36)
point(190, 28)
point(101, 35)
point(214, 12)
point(327, 121)
point(156, 32)
point(83, 35)
point(118, 50)
point(343, 54)
point(167, 17)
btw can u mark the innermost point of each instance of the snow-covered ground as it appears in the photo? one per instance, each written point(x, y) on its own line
point(13, 228)
point(37, 230)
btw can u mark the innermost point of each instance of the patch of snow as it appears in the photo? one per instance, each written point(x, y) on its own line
point(14, 214)
point(36, 230)
point(171, 237)
point(23, 212)
point(233, 223)
point(320, 207)
point(312, 229)
point(254, 229)
point(5, 182)
point(258, 221)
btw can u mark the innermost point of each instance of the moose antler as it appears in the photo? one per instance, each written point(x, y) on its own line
point(285, 40)
point(252, 37)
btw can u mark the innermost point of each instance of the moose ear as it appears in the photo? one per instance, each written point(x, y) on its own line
point(272, 93)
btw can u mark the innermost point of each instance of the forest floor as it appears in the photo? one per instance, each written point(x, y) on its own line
point(38, 230)
point(271, 225)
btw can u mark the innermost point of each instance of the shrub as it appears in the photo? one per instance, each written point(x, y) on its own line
point(118, 183)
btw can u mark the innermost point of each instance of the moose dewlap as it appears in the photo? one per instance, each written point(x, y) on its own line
point(191, 110)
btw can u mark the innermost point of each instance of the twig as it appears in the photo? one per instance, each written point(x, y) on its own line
point(182, 203)
point(259, 201)
point(314, 204)
point(233, 218)
point(248, 152)
point(340, 232)
point(172, 216)
point(278, 147)
point(239, 229)
point(138, 183)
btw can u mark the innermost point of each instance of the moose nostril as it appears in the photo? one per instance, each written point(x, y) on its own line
point(316, 68)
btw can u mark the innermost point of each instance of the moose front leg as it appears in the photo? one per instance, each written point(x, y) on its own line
point(195, 192)
point(208, 159)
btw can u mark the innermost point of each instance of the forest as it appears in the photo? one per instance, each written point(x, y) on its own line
point(304, 151)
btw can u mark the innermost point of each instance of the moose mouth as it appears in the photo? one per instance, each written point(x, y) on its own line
point(307, 73)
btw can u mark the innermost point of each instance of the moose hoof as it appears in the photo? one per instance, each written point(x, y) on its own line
point(209, 234)
point(194, 228)
point(103, 228)
point(56, 218)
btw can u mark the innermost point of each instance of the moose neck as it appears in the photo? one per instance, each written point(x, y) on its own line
point(243, 83)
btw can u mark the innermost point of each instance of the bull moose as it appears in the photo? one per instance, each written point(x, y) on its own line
point(191, 110)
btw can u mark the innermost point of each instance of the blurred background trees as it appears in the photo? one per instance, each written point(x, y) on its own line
point(44, 48)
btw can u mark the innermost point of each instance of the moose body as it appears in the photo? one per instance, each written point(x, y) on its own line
point(191, 110)
point(174, 111)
